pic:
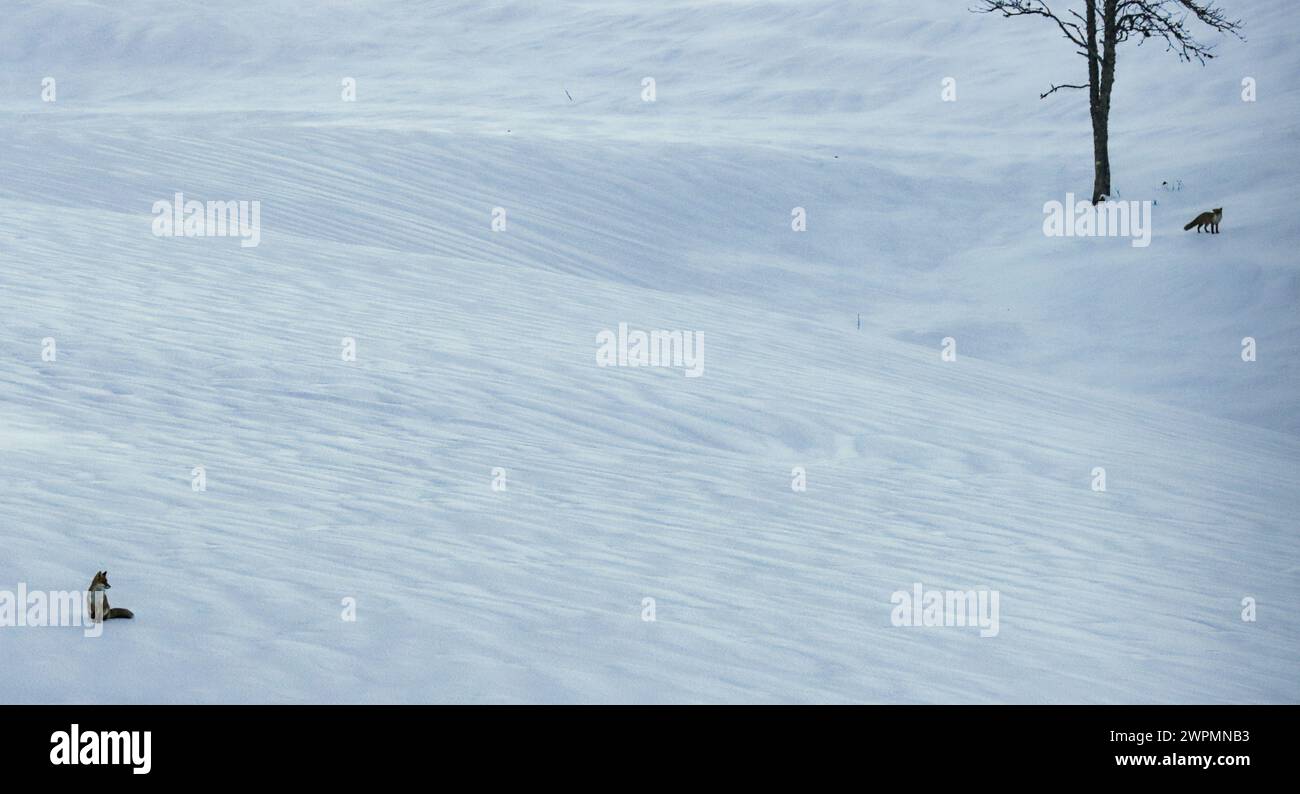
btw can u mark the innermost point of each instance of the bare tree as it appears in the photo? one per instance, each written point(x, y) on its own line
point(1098, 31)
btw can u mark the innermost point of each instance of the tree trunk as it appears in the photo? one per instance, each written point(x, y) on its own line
point(1100, 156)
point(1101, 78)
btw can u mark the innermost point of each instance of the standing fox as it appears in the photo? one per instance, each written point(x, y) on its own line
point(1210, 219)
point(97, 602)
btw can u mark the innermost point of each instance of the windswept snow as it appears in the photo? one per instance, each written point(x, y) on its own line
point(476, 349)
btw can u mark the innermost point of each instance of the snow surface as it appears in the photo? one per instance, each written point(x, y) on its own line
point(476, 349)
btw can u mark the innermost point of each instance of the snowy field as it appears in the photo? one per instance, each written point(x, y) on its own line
point(372, 479)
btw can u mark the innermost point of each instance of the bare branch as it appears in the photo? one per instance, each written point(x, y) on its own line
point(1038, 8)
point(1170, 21)
point(1056, 88)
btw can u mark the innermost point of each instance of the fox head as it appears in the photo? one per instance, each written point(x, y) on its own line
point(100, 582)
point(1218, 211)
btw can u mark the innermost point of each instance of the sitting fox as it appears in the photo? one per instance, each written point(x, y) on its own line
point(97, 602)
point(1210, 219)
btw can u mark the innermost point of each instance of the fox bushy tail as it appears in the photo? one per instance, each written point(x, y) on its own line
point(118, 612)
